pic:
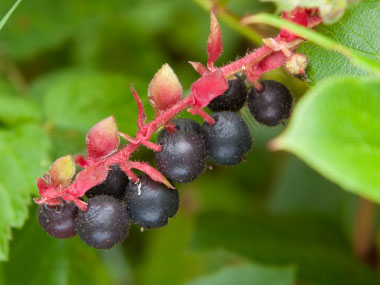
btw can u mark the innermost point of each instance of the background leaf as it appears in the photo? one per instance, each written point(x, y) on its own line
point(335, 128)
point(315, 244)
point(24, 156)
point(15, 110)
point(78, 102)
point(248, 274)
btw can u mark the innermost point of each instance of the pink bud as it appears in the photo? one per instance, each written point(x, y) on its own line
point(296, 64)
point(62, 171)
point(164, 90)
point(103, 139)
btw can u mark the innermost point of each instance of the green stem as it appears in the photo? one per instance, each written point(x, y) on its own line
point(232, 21)
point(10, 12)
point(354, 56)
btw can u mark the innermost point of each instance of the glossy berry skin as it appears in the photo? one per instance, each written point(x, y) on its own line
point(272, 105)
point(150, 203)
point(182, 157)
point(58, 221)
point(232, 99)
point(104, 224)
point(228, 139)
point(114, 185)
point(184, 125)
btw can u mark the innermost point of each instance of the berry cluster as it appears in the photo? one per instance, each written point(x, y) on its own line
point(186, 145)
point(111, 206)
point(106, 190)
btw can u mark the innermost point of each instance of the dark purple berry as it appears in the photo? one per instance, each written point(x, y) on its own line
point(228, 139)
point(272, 105)
point(58, 221)
point(232, 99)
point(104, 224)
point(184, 125)
point(182, 157)
point(150, 203)
point(114, 185)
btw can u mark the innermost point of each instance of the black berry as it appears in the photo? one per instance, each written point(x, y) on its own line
point(150, 203)
point(182, 157)
point(58, 221)
point(272, 105)
point(104, 224)
point(232, 99)
point(228, 139)
point(184, 125)
point(114, 185)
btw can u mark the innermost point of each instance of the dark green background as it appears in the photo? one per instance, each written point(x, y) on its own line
point(73, 61)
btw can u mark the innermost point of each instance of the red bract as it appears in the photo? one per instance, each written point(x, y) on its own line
point(140, 107)
point(102, 140)
point(153, 173)
point(214, 44)
point(298, 16)
point(208, 87)
point(273, 61)
point(199, 67)
point(86, 179)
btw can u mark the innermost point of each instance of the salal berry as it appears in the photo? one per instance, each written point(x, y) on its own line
point(184, 125)
point(104, 223)
point(58, 221)
point(150, 203)
point(228, 139)
point(114, 185)
point(272, 105)
point(232, 99)
point(182, 157)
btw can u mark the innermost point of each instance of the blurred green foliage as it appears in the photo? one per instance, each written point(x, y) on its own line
point(68, 64)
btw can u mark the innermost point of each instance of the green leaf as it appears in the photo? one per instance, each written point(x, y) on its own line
point(315, 245)
point(248, 274)
point(79, 101)
point(335, 129)
point(24, 156)
point(359, 30)
point(47, 260)
point(15, 110)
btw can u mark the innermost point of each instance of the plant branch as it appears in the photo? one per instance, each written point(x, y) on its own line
point(355, 57)
point(210, 85)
